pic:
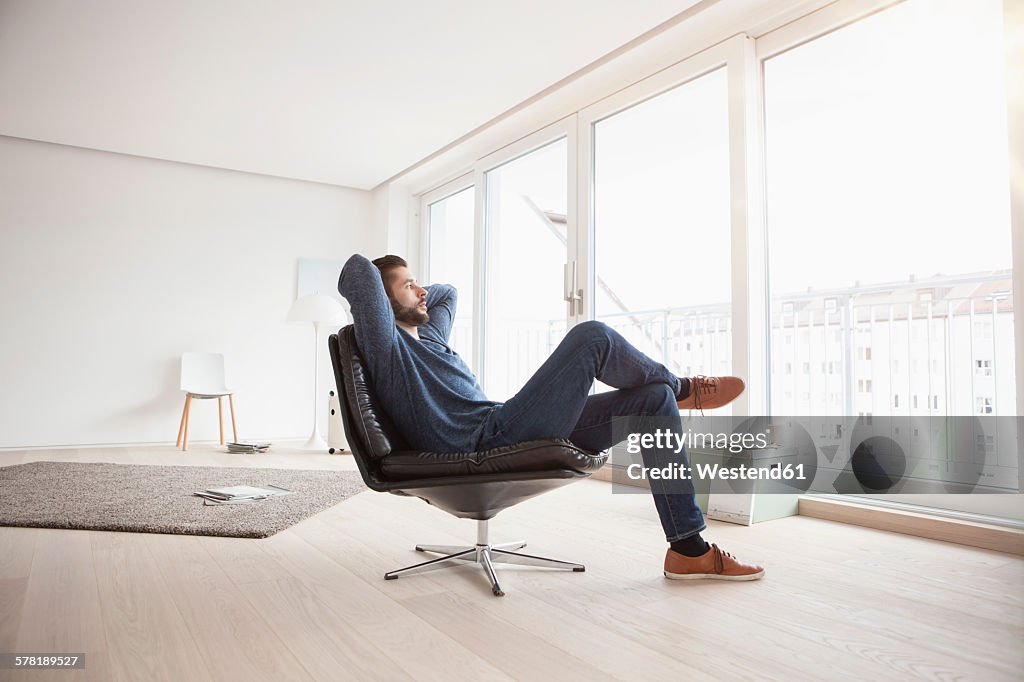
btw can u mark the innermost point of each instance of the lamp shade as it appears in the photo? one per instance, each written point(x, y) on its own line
point(317, 308)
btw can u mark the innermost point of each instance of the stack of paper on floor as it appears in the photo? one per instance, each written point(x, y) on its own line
point(248, 447)
point(240, 494)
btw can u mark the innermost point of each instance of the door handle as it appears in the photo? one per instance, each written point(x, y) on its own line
point(571, 292)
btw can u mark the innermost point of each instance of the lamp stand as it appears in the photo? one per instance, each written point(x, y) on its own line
point(316, 441)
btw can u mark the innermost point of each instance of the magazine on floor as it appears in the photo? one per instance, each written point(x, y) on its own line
point(247, 447)
point(241, 494)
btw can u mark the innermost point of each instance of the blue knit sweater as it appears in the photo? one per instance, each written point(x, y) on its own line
point(423, 385)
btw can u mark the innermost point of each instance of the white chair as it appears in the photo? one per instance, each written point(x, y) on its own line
point(202, 377)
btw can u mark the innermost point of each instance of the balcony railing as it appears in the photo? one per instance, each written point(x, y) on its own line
point(882, 350)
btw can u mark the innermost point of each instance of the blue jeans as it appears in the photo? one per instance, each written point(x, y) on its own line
point(556, 403)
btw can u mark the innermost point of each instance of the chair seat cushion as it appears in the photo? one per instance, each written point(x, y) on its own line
point(535, 455)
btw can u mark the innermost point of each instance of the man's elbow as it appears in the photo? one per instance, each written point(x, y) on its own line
point(355, 268)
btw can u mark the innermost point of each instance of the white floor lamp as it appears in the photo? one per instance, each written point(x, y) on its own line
point(316, 308)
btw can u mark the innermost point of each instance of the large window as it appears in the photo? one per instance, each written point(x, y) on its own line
point(450, 258)
point(661, 226)
point(888, 216)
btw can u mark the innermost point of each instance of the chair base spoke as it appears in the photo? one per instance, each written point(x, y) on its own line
point(507, 557)
point(444, 549)
point(466, 555)
point(486, 555)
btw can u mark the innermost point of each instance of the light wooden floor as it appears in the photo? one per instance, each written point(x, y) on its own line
point(838, 602)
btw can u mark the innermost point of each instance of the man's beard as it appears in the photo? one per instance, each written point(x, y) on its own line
point(411, 315)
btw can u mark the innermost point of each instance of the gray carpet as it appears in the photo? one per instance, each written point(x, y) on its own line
point(158, 499)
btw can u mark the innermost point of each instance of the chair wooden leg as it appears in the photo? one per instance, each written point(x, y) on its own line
point(188, 408)
point(181, 426)
point(234, 425)
point(220, 416)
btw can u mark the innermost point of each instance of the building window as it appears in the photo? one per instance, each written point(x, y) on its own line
point(983, 368)
point(983, 405)
point(896, 400)
point(984, 445)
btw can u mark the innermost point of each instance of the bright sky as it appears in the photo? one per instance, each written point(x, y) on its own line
point(887, 149)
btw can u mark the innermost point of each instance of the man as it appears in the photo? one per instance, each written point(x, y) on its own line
point(433, 398)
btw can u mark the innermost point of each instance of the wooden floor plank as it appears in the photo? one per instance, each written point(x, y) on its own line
point(17, 548)
point(140, 620)
point(502, 644)
point(324, 637)
point(61, 609)
point(234, 642)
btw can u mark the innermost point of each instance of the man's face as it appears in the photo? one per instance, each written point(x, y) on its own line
point(408, 299)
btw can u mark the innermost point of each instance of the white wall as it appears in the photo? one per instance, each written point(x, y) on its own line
point(111, 266)
point(396, 222)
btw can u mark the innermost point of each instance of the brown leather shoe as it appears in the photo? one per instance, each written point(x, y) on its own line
point(714, 564)
point(707, 393)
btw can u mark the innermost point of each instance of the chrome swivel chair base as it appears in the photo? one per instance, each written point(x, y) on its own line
point(482, 553)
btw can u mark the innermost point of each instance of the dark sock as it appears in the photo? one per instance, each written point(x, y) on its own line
point(691, 546)
point(684, 388)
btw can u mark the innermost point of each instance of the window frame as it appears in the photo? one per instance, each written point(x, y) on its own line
point(746, 180)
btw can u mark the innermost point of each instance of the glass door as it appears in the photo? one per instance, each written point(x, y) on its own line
point(527, 236)
point(661, 216)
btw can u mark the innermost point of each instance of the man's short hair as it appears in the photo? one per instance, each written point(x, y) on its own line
point(386, 264)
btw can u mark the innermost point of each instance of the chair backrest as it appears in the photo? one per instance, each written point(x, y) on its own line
point(370, 433)
point(202, 373)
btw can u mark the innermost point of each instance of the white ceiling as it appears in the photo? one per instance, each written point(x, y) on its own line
point(343, 92)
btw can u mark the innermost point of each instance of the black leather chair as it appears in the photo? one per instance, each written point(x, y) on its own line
point(470, 485)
